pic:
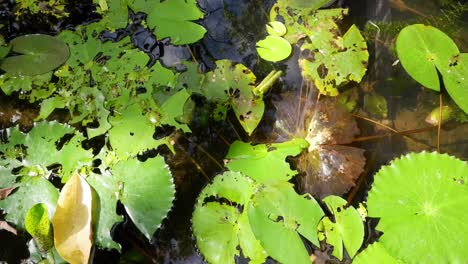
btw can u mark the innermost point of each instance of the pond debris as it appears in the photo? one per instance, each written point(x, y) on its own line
point(328, 167)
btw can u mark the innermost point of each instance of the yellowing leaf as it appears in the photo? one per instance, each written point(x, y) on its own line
point(72, 221)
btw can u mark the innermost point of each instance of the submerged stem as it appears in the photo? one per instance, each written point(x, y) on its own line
point(266, 83)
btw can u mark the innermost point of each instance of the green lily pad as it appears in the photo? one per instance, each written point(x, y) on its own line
point(264, 162)
point(422, 51)
point(40, 54)
point(174, 19)
point(455, 78)
point(222, 230)
point(278, 215)
point(106, 205)
point(375, 253)
point(276, 28)
point(132, 132)
point(419, 199)
point(235, 214)
point(274, 48)
point(138, 183)
point(347, 228)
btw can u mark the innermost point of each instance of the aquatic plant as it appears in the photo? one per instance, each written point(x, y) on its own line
point(328, 166)
point(274, 47)
point(49, 7)
point(52, 149)
point(39, 54)
point(418, 199)
point(329, 59)
point(425, 52)
point(253, 211)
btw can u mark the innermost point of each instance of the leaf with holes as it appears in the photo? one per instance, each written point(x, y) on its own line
point(31, 191)
point(278, 216)
point(47, 143)
point(419, 199)
point(132, 132)
point(264, 162)
point(222, 229)
point(347, 228)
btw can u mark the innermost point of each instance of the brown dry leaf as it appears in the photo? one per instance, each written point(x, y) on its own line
point(328, 167)
point(5, 192)
point(5, 226)
point(72, 221)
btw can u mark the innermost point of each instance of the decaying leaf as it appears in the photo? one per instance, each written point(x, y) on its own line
point(72, 221)
point(328, 167)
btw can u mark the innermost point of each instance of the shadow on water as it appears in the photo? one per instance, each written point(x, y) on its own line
point(234, 26)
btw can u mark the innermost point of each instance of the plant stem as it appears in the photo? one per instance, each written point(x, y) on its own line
point(266, 83)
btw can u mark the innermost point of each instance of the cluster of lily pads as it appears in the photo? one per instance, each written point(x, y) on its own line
point(251, 210)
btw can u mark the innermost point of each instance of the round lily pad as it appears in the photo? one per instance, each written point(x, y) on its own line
point(40, 54)
point(276, 28)
point(421, 49)
point(420, 199)
point(274, 48)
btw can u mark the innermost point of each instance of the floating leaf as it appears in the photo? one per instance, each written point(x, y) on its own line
point(456, 80)
point(222, 230)
point(336, 61)
point(313, 4)
point(38, 225)
point(106, 206)
point(138, 183)
point(278, 215)
point(375, 253)
point(422, 51)
point(174, 19)
point(235, 214)
point(328, 167)
point(418, 199)
point(132, 132)
point(31, 191)
point(40, 54)
point(264, 162)
point(276, 28)
point(347, 228)
point(274, 48)
point(72, 221)
point(173, 108)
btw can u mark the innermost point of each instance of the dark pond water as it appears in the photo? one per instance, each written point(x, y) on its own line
point(234, 26)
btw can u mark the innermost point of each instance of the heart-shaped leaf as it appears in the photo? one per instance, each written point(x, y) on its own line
point(40, 54)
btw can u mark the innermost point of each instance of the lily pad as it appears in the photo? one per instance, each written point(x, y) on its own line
point(274, 48)
point(264, 162)
point(31, 191)
point(419, 199)
point(455, 78)
point(222, 230)
point(375, 253)
point(347, 228)
point(138, 183)
point(40, 54)
point(422, 51)
point(276, 28)
point(175, 20)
